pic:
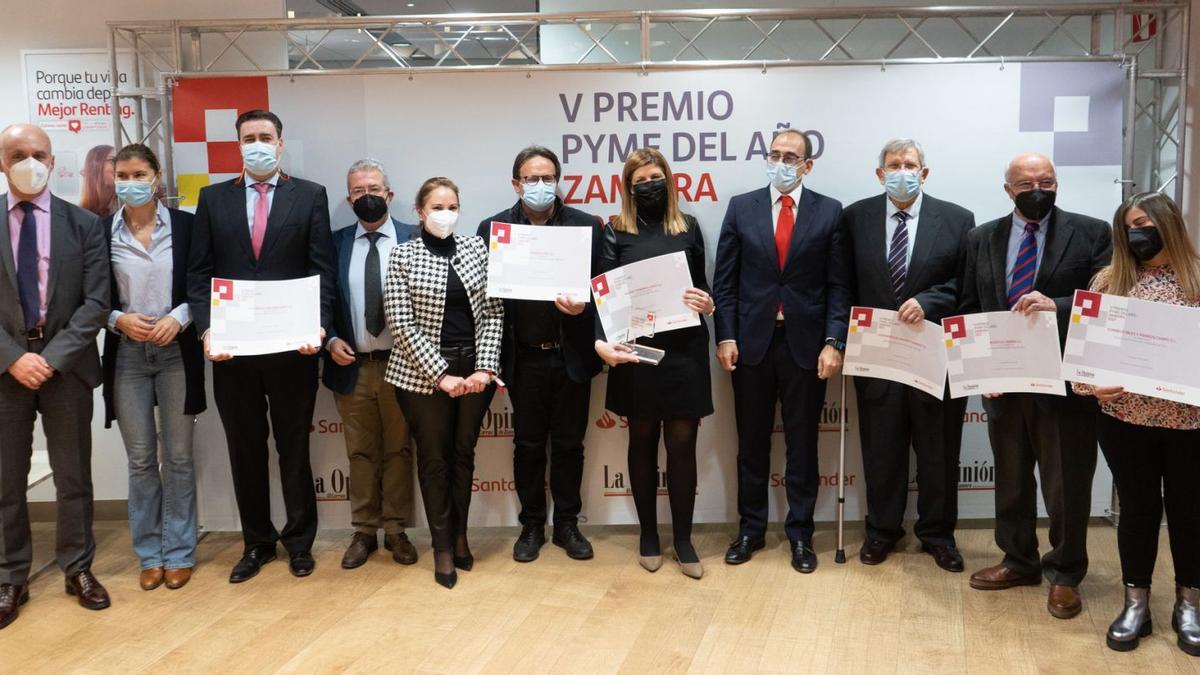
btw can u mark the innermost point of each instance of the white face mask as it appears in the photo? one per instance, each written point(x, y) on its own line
point(441, 223)
point(260, 158)
point(29, 176)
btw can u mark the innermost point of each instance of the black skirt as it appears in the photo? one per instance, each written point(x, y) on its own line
point(679, 386)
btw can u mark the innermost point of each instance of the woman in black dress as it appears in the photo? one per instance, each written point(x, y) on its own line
point(670, 398)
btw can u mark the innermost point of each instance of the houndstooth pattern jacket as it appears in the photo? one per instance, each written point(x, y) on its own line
point(414, 300)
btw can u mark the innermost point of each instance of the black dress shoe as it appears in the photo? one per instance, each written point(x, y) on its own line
point(88, 589)
point(874, 551)
point(742, 548)
point(568, 537)
point(12, 597)
point(447, 580)
point(464, 562)
point(804, 558)
point(533, 537)
point(251, 562)
point(402, 549)
point(946, 557)
point(362, 545)
point(301, 564)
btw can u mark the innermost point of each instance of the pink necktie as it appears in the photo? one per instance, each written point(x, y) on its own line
point(261, 210)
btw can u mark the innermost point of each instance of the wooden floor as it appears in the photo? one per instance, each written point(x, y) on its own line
point(604, 615)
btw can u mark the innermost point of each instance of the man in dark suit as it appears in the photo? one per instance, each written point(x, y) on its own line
point(54, 299)
point(548, 362)
point(782, 287)
point(907, 246)
point(1033, 260)
point(378, 442)
point(265, 225)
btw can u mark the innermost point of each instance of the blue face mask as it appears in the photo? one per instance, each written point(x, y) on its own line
point(782, 176)
point(259, 158)
point(902, 186)
point(539, 196)
point(135, 192)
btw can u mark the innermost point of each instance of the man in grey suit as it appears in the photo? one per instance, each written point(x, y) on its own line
point(54, 299)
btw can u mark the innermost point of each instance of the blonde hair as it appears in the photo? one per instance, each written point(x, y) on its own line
point(1120, 276)
point(626, 221)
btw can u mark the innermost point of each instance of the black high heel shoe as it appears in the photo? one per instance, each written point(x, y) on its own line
point(446, 580)
point(464, 562)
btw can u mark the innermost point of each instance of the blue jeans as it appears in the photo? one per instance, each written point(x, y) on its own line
point(162, 502)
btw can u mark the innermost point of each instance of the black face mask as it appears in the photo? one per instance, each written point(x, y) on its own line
point(651, 195)
point(370, 208)
point(1035, 204)
point(1145, 242)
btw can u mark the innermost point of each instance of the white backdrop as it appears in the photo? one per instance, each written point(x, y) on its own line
point(714, 127)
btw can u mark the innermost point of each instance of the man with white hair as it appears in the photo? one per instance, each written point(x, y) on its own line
point(907, 246)
point(54, 299)
point(1033, 260)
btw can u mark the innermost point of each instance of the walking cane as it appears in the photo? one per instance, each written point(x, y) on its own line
point(840, 556)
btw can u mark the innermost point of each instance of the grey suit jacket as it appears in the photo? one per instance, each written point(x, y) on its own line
point(77, 291)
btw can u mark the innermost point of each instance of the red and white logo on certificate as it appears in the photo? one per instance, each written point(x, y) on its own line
point(860, 317)
point(501, 233)
point(955, 328)
point(222, 289)
point(1086, 304)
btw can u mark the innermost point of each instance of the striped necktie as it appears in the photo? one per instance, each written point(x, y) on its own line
point(898, 254)
point(1025, 266)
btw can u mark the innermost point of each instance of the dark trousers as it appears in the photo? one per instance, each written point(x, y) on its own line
point(891, 418)
point(65, 404)
point(1154, 468)
point(756, 389)
point(445, 430)
point(548, 403)
point(1058, 437)
point(257, 396)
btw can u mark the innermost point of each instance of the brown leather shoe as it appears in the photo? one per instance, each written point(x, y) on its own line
point(402, 549)
point(361, 546)
point(89, 591)
point(1064, 602)
point(11, 599)
point(151, 578)
point(177, 578)
point(999, 577)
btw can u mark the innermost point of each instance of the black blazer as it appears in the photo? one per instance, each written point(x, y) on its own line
point(932, 276)
point(297, 244)
point(77, 290)
point(814, 284)
point(195, 401)
point(342, 379)
point(576, 333)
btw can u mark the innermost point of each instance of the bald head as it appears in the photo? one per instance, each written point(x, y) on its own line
point(1028, 166)
point(23, 133)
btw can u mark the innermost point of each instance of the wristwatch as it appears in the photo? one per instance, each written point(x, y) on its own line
point(836, 344)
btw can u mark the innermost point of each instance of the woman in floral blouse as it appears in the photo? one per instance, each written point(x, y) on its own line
point(1152, 445)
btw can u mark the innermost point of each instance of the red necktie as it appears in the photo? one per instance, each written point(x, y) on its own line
point(783, 228)
point(261, 210)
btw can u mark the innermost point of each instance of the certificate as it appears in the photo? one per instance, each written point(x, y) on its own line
point(1147, 347)
point(539, 262)
point(1003, 352)
point(880, 345)
point(644, 298)
point(264, 317)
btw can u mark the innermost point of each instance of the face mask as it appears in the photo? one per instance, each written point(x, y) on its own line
point(1145, 243)
point(135, 192)
point(1035, 204)
point(370, 208)
point(259, 158)
point(441, 223)
point(29, 176)
point(902, 186)
point(650, 195)
point(782, 176)
point(539, 196)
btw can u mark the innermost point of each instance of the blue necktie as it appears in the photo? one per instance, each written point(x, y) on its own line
point(898, 254)
point(1025, 266)
point(27, 268)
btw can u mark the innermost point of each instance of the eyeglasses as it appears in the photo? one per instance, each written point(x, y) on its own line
point(1027, 185)
point(790, 159)
point(534, 180)
point(372, 190)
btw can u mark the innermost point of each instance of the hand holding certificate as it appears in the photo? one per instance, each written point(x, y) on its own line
point(1146, 347)
point(539, 262)
point(264, 317)
point(644, 298)
point(1003, 352)
point(880, 345)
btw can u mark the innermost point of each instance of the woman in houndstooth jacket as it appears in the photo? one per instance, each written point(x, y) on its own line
point(444, 362)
